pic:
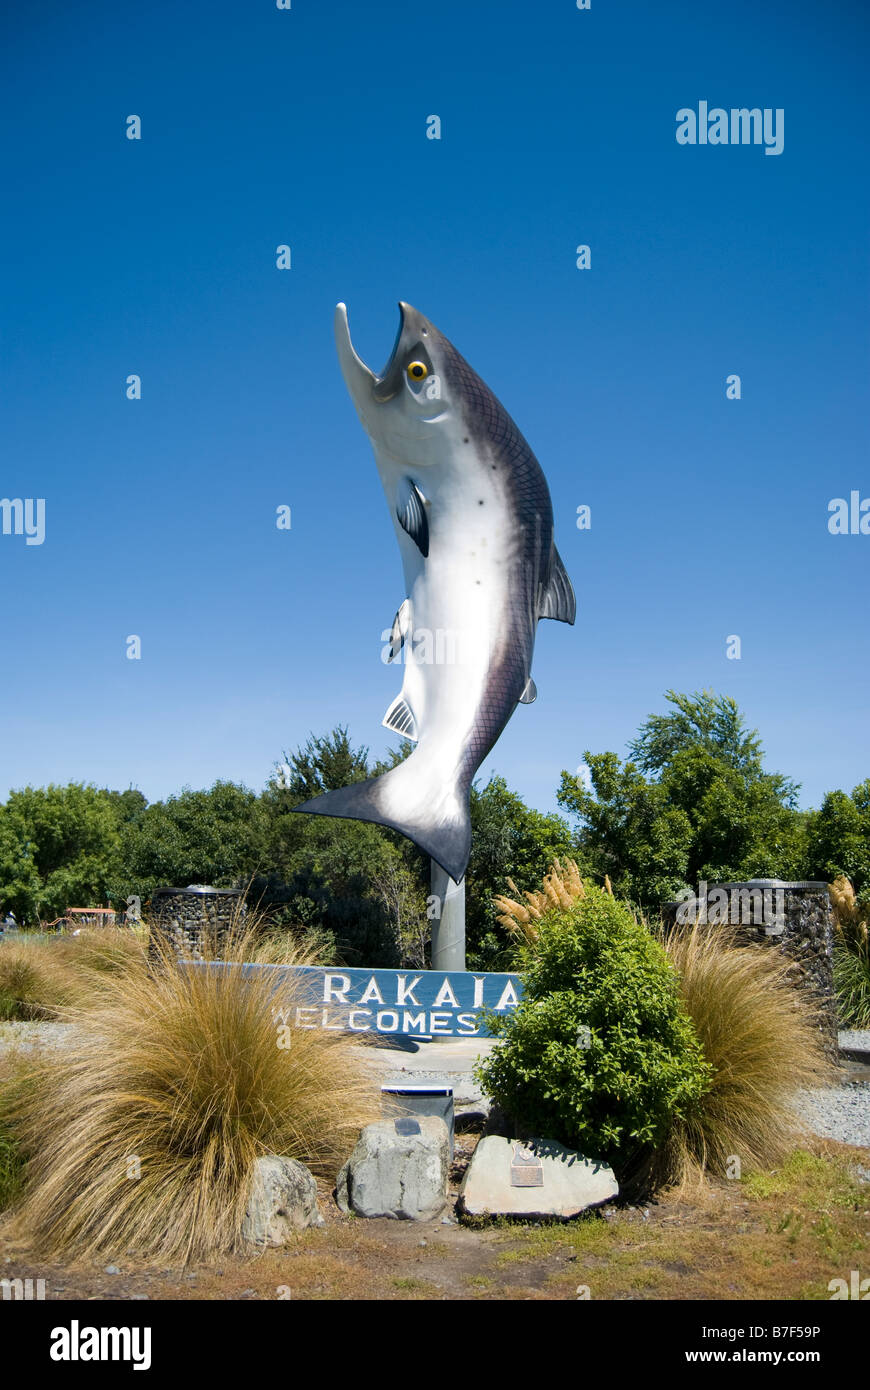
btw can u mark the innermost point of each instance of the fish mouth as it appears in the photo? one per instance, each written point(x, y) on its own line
point(360, 380)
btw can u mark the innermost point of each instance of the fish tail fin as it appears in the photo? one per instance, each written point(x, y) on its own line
point(440, 827)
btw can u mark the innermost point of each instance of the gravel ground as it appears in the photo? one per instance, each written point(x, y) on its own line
point(839, 1112)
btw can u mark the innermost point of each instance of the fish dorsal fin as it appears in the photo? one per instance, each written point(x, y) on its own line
point(411, 512)
point(530, 693)
point(401, 628)
point(400, 718)
point(557, 600)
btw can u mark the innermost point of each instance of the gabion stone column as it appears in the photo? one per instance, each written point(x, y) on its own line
point(795, 917)
point(196, 919)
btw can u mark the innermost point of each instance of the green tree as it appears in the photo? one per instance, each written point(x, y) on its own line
point(838, 838)
point(704, 721)
point(629, 829)
point(360, 884)
point(59, 848)
point(322, 765)
point(218, 836)
point(129, 804)
point(694, 802)
point(508, 840)
point(20, 882)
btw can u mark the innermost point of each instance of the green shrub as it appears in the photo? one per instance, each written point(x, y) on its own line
point(851, 954)
point(852, 983)
point(611, 1091)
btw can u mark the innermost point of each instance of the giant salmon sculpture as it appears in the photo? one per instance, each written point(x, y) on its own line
point(474, 523)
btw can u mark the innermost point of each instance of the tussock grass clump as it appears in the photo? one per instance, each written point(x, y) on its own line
point(43, 975)
point(851, 954)
point(11, 1170)
point(30, 988)
point(141, 1133)
point(99, 949)
point(763, 1042)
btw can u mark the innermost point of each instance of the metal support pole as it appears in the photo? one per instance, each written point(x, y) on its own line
point(448, 929)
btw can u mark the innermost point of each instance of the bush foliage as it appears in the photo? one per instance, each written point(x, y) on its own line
point(851, 954)
point(599, 1053)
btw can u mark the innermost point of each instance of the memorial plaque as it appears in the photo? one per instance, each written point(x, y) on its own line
point(407, 1126)
point(527, 1169)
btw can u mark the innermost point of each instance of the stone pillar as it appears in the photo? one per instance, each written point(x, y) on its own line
point(195, 920)
point(448, 929)
point(796, 918)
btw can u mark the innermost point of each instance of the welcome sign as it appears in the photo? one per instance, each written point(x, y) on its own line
point(425, 1003)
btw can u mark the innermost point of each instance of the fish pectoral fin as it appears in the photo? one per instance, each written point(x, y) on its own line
point(557, 600)
point(530, 693)
point(401, 628)
point(400, 718)
point(411, 514)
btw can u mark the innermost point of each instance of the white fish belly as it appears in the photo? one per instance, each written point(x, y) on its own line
point(459, 600)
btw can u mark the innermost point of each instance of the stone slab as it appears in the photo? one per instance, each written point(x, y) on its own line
point(568, 1183)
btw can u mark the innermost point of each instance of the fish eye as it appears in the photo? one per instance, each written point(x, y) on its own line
point(417, 371)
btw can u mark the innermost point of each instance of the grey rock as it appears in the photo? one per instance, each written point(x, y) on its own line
point(569, 1184)
point(403, 1176)
point(112, 1269)
point(282, 1199)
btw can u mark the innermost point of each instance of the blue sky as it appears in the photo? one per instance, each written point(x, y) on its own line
point(307, 127)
